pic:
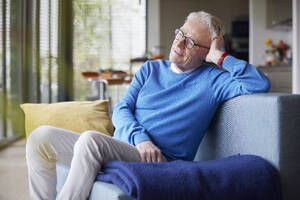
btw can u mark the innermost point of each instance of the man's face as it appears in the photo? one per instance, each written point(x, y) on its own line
point(186, 58)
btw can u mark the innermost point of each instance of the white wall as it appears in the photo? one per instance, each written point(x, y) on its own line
point(259, 32)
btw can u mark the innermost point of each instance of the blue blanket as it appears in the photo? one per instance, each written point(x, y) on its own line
point(239, 177)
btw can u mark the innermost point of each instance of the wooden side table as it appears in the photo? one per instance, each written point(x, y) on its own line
point(105, 81)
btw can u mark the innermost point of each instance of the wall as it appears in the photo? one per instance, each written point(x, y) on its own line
point(174, 12)
point(296, 47)
point(153, 24)
point(259, 32)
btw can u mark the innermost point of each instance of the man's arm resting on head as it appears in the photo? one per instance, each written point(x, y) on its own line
point(239, 76)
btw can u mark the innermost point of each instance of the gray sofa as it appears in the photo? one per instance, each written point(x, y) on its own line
point(267, 125)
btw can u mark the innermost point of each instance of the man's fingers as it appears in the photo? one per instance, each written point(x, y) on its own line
point(146, 156)
point(142, 156)
point(149, 152)
point(217, 42)
point(149, 156)
point(153, 155)
point(160, 158)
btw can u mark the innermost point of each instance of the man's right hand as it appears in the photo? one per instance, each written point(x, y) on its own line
point(149, 152)
point(215, 52)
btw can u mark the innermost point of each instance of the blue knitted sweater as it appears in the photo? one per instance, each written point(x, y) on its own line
point(174, 110)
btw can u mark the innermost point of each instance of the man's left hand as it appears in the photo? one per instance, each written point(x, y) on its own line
point(149, 152)
point(215, 52)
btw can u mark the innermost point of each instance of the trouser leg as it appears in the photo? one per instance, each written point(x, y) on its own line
point(44, 147)
point(91, 151)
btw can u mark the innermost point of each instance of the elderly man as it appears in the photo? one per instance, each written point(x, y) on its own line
point(163, 116)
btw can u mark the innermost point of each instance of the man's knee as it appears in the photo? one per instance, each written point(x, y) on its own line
point(41, 135)
point(91, 138)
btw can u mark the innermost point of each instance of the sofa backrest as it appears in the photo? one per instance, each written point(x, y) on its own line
point(267, 125)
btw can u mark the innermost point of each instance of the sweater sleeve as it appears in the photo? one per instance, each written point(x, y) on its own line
point(127, 127)
point(237, 78)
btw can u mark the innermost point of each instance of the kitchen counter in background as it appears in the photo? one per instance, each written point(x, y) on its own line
point(280, 77)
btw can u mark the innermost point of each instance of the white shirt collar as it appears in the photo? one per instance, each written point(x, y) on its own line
point(177, 71)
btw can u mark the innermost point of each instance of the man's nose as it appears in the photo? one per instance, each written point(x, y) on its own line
point(180, 43)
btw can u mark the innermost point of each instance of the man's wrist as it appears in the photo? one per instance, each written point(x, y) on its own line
point(221, 59)
point(141, 137)
point(215, 57)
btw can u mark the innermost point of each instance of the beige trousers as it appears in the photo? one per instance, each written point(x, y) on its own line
point(85, 154)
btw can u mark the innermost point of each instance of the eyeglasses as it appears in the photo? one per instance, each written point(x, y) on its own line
point(188, 42)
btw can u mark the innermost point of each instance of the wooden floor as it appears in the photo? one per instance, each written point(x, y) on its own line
point(13, 172)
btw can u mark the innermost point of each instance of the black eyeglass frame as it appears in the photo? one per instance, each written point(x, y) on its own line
point(178, 30)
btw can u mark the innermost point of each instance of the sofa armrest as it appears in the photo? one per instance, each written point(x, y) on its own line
point(267, 125)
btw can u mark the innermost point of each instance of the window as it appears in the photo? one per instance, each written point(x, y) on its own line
point(29, 55)
point(11, 118)
point(48, 50)
point(107, 33)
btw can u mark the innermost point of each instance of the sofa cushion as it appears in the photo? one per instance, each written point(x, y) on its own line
point(77, 116)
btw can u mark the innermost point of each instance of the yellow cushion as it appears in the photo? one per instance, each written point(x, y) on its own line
point(77, 116)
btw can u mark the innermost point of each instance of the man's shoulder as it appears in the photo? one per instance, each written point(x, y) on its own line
point(156, 65)
point(153, 67)
point(159, 62)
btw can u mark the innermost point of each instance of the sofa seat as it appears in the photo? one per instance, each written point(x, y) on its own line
point(99, 191)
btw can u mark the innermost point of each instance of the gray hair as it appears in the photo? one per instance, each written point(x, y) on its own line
point(215, 25)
